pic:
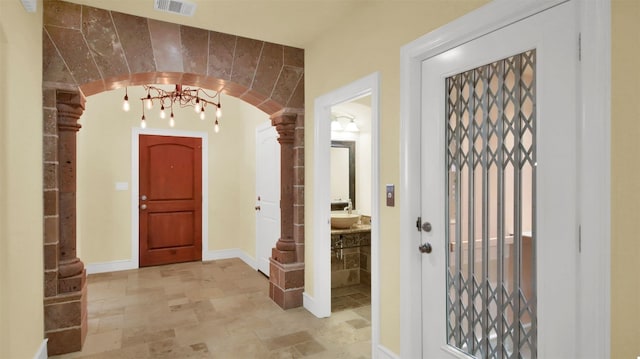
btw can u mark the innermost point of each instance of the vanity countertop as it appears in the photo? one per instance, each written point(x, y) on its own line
point(358, 228)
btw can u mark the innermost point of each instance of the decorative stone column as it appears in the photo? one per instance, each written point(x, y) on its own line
point(286, 270)
point(66, 311)
point(71, 275)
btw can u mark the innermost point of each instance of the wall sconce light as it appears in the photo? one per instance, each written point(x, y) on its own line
point(350, 127)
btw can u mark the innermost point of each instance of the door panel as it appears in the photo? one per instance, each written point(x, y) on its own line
point(170, 205)
point(268, 194)
point(173, 229)
point(499, 187)
point(168, 183)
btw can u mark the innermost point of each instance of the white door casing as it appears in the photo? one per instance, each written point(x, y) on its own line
point(319, 304)
point(267, 194)
point(591, 337)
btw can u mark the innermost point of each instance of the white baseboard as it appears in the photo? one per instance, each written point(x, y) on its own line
point(119, 265)
point(312, 306)
point(384, 353)
point(112, 266)
point(42, 351)
point(231, 253)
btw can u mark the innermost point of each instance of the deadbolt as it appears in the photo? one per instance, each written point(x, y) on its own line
point(426, 226)
point(425, 248)
point(143, 198)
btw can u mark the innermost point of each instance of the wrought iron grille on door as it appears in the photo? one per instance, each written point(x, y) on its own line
point(491, 180)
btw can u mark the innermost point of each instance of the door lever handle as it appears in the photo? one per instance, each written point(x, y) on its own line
point(257, 208)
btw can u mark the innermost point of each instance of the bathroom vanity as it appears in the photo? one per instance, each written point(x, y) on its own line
point(351, 255)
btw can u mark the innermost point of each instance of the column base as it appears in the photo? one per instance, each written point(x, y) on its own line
point(286, 284)
point(66, 321)
point(72, 284)
point(284, 257)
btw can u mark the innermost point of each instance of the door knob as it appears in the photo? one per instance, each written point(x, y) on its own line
point(143, 207)
point(425, 248)
point(426, 226)
point(143, 198)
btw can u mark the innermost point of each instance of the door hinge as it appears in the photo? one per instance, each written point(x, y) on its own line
point(579, 239)
point(419, 224)
point(579, 46)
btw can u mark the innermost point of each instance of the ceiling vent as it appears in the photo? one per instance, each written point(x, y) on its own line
point(29, 5)
point(179, 7)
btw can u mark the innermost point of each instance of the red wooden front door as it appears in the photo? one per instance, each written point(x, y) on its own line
point(170, 203)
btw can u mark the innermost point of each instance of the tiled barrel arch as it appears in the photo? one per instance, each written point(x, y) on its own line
point(99, 50)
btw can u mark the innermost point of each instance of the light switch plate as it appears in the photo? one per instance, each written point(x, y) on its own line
point(391, 195)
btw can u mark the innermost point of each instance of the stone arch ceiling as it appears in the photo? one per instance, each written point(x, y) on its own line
point(99, 50)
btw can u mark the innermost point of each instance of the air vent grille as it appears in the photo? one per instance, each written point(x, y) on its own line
point(29, 5)
point(180, 7)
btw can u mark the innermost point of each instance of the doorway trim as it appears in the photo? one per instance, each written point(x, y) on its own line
point(593, 168)
point(265, 127)
point(320, 303)
point(135, 185)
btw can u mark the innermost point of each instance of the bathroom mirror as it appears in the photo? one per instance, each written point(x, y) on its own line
point(343, 174)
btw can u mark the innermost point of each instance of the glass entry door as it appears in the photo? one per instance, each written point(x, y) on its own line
point(498, 189)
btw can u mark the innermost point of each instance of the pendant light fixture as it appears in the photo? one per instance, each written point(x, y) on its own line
point(197, 98)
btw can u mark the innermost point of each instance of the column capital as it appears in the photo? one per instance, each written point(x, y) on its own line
point(285, 124)
point(70, 105)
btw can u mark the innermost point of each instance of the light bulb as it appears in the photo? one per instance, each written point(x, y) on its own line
point(196, 108)
point(143, 123)
point(125, 104)
point(172, 122)
point(216, 127)
point(219, 112)
point(335, 125)
point(162, 113)
point(202, 114)
point(148, 100)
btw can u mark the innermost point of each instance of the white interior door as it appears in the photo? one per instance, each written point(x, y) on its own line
point(499, 188)
point(267, 194)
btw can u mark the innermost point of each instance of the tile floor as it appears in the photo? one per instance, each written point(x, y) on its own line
point(218, 309)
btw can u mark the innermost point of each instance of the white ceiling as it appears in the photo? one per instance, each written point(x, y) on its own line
point(288, 22)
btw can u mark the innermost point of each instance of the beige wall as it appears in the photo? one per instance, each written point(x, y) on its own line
point(21, 267)
point(370, 41)
point(4, 268)
point(104, 158)
point(625, 180)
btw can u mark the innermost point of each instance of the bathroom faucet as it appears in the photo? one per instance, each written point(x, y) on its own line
point(349, 207)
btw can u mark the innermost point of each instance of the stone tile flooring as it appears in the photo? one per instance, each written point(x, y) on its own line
point(351, 297)
point(218, 309)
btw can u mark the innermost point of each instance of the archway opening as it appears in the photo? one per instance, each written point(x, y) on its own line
point(87, 51)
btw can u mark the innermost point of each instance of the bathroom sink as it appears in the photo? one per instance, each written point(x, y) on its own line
point(343, 220)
